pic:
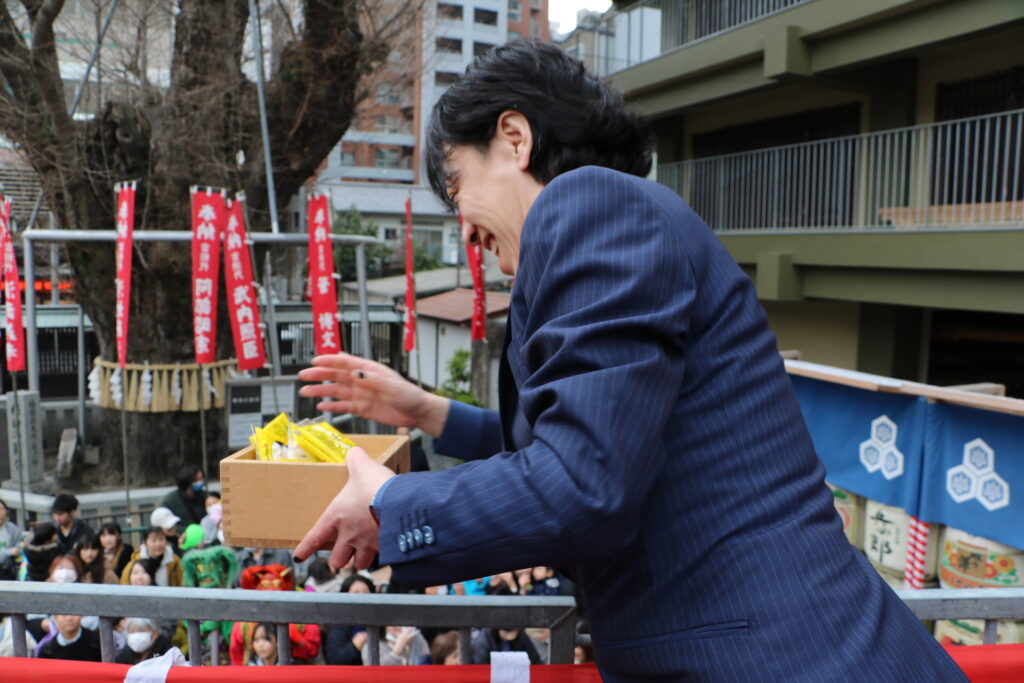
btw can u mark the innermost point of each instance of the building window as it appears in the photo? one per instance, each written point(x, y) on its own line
point(514, 35)
point(481, 49)
point(451, 46)
point(442, 79)
point(391, 233)
point(390, 124)
point(348, 157)
point(449, 11)
point(485, 16)
point(387, 157)
point(515, 10)
point(387, 93)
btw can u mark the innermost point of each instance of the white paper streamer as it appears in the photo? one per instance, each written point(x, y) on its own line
point(146, 387)
point(94, 384)
point(176, 390)
point(116, 391)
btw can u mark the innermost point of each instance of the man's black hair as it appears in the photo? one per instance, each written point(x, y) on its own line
point(357, 578)
point(576, 119)
point(65, 502)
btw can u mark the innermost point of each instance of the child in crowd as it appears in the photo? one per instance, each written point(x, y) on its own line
point(264, 646)
point(89, 552)
point(165, 519)
point(71, 641)
point(323, 578)
point(116, 553)
point(143, 571)
point(155, 546)
point(40, 551)
point(445, 648)
point(65, 569)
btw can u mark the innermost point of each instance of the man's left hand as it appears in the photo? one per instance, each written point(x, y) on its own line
point(348, 516)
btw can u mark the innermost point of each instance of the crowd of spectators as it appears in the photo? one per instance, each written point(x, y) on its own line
point(67, 550)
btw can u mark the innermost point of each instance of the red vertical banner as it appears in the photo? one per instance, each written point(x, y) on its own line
point(207, 226)
point(242, 308)
point(123, 254)
point(475, 258)
point(410, 282)
point(12, 309)
point(323, 291)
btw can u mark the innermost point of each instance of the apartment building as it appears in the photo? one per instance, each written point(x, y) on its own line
point(862, 161)
point(378, 163)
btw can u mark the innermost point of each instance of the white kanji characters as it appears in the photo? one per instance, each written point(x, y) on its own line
point(247, 331)
point(232, 226)
point(326, 321)
point(234, 239)
point(323, 284)
point(320, 217)
point(320, 234)
point(204, 287)
point(207, 212)
point(237, 272)
point(203, 306)
point(204, 256)
point(203, 324)
point(249, 349)
point(202, 344)
point(327, 339)
point(240, 295)
point(244, 314)
point(206, 231)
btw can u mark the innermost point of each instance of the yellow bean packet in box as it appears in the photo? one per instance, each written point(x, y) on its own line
point(277, 429)
point(320, 440)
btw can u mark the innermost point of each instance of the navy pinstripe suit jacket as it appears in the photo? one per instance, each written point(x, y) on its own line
point(650, 439)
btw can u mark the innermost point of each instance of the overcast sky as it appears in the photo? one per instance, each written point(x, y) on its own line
point(563, 12)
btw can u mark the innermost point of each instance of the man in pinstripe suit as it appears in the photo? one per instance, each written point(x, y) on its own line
point(648, 438)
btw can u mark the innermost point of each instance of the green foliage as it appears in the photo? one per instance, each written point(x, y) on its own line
point(457, 387)
point(351, 223)
point(424, 260)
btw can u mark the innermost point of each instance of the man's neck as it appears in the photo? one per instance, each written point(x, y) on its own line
point(67, 530)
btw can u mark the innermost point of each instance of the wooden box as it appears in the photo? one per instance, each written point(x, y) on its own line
point(274, 504)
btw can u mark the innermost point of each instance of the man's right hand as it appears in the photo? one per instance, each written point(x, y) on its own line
point(372, 390)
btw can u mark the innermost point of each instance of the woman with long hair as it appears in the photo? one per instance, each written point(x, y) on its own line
point(116, 553)
point(89, 551)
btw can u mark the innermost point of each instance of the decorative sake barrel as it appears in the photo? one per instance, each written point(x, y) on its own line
point(970, 561)
point(886, 540)
point(972, 632)
point(850, 507)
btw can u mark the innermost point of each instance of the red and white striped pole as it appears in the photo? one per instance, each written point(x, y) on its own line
point(918, 538)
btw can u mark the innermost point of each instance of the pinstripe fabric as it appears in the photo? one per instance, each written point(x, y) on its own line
point(654, 443)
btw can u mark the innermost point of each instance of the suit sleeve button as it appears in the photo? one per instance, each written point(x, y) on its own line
point(428, 534)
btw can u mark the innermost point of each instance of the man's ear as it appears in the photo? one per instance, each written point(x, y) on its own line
point(514, 134)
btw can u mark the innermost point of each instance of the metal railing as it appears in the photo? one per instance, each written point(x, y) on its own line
point(956, 174)
point(110, 603)
point(650, 28)
point(989, 604)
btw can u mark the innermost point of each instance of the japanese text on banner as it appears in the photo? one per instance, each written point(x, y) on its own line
point(123, 258)
point(207, 226)
point(323, 291)
point(410, 283)
point(15, 329)
point(242, 308)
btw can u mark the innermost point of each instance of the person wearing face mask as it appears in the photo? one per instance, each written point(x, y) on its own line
point(143, 641)
point(211, 522)
point(10, 545)
point(188, 501)
point(65, 569)
point(169, 572)
point(71, 641)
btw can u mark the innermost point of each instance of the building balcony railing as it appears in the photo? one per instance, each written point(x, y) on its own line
point(650, 28)
point(960, 174)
